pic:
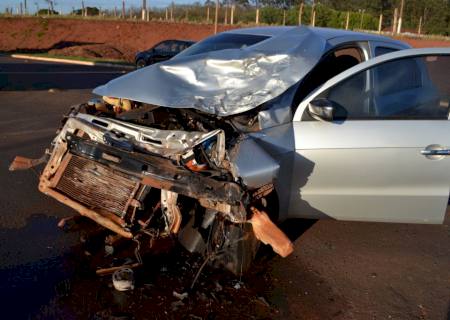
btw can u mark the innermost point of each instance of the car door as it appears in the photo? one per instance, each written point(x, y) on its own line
point(383, 153)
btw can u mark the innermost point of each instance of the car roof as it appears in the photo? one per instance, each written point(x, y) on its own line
point(326, 34)
point(238, 79)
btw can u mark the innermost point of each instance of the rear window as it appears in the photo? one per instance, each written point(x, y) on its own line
point(223, 41)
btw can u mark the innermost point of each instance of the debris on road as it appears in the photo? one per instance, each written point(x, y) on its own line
point(123, 279)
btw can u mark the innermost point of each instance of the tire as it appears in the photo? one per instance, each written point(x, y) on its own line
point(140, 63)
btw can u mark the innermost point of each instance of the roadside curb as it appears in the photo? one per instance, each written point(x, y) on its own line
point(70, 61)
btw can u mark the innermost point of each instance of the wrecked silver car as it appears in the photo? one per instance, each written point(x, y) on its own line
point(251, 127)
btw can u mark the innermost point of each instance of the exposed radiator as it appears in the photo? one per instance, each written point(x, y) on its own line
point(97, 186)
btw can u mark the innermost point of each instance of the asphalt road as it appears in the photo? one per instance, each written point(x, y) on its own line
point(339, 270)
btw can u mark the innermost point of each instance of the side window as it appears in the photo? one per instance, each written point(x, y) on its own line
point(406, 88)
point(164, 46)
point(379, 51)
point(331, 65)
point(175, 47)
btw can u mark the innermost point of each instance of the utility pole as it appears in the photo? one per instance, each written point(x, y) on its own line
point(400, 18)
point(25, 6)
point(347, 21)
point(171, 11)
point(313, 13)
point(216, 17)
point(144, 9)
point(257, 16)
point(207, 13)
point(21, 9)
point(123, 9)
point(300, 13)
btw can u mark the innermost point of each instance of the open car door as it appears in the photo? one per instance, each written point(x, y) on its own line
point(373, 143)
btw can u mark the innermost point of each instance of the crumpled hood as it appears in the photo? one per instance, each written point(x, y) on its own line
point(224, 82)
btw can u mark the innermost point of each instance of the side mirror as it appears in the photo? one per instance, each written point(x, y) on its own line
point(321, 109)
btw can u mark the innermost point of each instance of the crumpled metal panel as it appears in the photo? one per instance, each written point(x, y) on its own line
point(253, 173)
point(224, 82)
point(163, 142)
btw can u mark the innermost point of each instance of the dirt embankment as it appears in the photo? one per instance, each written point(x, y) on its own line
point(108, 38)
point(93, 38)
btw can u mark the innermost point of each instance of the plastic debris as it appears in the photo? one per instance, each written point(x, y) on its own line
point(123, 279)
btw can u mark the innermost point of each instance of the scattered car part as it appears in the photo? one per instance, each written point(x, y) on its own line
point(123, 279)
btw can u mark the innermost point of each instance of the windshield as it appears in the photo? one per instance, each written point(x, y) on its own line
point(223, 41)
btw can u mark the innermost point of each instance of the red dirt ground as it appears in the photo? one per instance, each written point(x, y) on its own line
point(127, 37)
point(107, 38)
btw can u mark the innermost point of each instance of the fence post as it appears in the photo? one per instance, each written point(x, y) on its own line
point(380, 23)
point(233, 7)
point(312, 22)
point(394, 27)
point(347, 20)
point(216, 17)
point(300, 14)
point(400, 17)
point(144, 8)
point(362, 19)
point(226, 14)
point(419, 30)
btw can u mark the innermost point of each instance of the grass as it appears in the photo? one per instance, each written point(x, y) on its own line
point(95, 60)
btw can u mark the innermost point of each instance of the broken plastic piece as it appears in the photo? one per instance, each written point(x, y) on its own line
point(106, 271)
point(123, 279)
point(268, 233)
point(23, 163)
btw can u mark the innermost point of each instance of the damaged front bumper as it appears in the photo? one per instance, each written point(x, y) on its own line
point(135, 180)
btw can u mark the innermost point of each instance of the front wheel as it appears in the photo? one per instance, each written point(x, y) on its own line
point(140, 63)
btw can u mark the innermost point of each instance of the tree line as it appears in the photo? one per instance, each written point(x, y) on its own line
point(430, 16)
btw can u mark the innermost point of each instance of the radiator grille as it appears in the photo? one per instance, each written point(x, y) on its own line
point(96, 185)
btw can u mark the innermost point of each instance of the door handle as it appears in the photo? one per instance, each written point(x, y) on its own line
point(435, 152)
point(443, 152)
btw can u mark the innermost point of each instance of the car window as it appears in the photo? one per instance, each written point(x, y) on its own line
point(379, 51)
point(329, 66)
point(406, 88)
point(175, 47)
point(164, 46)
point(223, 41)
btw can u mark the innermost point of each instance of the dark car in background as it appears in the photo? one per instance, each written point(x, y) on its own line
point(162, 51)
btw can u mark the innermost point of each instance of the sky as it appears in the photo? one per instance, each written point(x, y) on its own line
point(66, 5)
